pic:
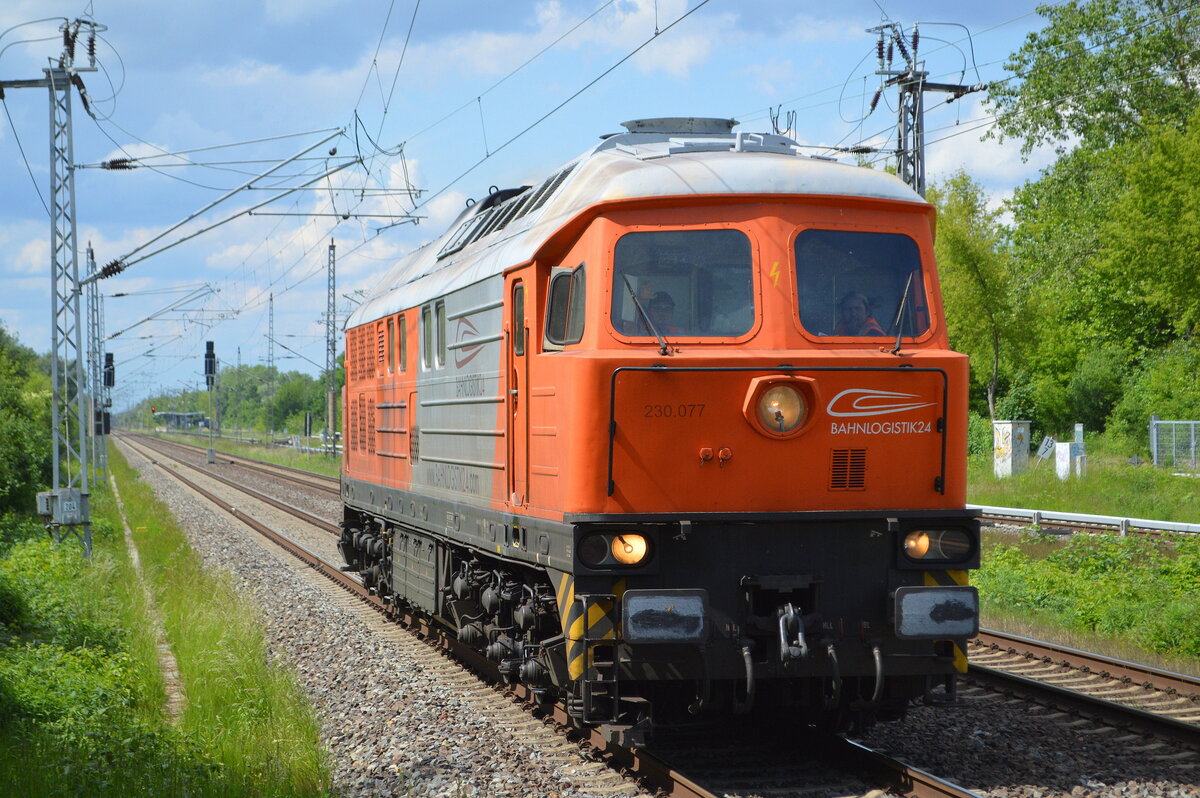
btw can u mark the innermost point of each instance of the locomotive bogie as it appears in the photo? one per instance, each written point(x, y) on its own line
point(625, 435)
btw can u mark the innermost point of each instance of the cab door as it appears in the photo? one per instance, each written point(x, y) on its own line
point(517, 398)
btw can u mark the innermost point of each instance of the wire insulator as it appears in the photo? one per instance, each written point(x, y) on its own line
point(118, 163)
point(77, 82)
point(112, 268)
point(879, 49)
point(903, 48)
point(875, 101)
point(891, 50)
point(92, 47)
point(916, 40)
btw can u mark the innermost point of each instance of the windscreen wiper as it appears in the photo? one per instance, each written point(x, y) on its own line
point(662, 342)
point(898, 323)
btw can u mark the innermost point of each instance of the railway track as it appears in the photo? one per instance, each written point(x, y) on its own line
point(1126, 694)
point(747, 766)
point(295, 475)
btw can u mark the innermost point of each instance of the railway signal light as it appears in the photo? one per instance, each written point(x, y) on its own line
point(210, 364)
point(110, 371)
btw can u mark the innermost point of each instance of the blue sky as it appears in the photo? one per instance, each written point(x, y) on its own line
point(224, 72)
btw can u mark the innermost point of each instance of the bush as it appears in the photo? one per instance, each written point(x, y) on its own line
point(1166, 386)
point(979, 437)
point(1128, 587)
point(1096, 385)
point(25, 461)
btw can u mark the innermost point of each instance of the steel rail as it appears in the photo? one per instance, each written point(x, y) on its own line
point(640, 763)
point(291, 509)
point(899, 776)
point(310, 479)
point(1145, 675)
point(1084, 520)
point(1112, 714)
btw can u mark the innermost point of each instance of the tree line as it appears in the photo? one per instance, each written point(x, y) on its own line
point(257, 398)
point(1078, 300)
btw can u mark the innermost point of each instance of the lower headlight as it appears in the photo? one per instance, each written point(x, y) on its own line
point(613, 549)
point(629, 549)
point(937, 544)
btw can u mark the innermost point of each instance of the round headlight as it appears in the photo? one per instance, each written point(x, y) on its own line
point(629, 549)
point(937, 544)
point(781, 408)
point(593, 550)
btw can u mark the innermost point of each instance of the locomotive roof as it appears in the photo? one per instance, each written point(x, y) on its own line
point(656, 158)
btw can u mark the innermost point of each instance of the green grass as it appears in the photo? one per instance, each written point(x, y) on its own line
point(81, 695)
point(1110, 487)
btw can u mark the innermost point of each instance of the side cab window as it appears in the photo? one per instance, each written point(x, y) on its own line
point(426, 338)
point(566, 307)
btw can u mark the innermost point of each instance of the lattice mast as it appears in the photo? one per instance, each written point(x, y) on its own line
point(331, 352)
point(912, 82)
point(66, 504)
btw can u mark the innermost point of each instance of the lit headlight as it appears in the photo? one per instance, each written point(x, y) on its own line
point(937, 544)
point(607, 550)
point(781, 408)
point(629, 549)
point(777, 405)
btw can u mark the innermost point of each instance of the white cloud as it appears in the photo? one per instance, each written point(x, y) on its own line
point(33, 257)
point(775, 75)
point(999, 166)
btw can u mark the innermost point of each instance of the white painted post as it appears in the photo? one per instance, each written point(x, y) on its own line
point(1010, 447)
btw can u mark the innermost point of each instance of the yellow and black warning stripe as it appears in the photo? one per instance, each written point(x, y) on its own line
point(951, 579)
point(601, 623)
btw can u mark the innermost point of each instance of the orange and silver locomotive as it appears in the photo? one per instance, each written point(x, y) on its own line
point(677, 430)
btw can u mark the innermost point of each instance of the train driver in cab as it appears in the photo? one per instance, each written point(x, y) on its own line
point(854, 317)
point(661, 310)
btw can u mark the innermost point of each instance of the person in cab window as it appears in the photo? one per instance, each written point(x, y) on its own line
point(736, 316)
point(854, 317)
point(661, 310)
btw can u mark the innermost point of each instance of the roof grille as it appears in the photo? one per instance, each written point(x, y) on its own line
point(848, 469)
point(498, 216)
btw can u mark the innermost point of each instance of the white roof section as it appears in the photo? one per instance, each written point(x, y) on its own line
point(663, 158)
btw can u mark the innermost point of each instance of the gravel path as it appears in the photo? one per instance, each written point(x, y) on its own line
point(397, 717)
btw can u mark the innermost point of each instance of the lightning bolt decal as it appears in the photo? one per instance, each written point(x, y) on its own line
point(775, 272)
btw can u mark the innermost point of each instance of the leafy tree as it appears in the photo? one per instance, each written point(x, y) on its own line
point(974, 279)
point(1100, 71)
point(296, 395)
point(1166, 386)
point(25, 437)
point(1097, 385)
point(1152, 232)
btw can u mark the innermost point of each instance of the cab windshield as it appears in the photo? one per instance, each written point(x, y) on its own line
point(854, 284)
point(690, 283)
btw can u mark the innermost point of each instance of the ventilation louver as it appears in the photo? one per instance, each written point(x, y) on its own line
point(848, 469)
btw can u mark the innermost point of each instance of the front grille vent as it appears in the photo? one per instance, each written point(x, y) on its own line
point(848, 469)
